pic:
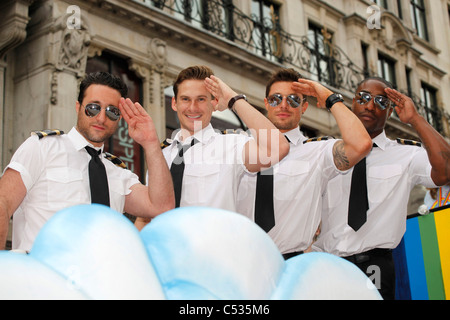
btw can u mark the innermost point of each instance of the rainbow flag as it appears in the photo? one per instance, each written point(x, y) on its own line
point(422, 260)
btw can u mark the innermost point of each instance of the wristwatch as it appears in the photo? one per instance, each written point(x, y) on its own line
point(236, 98)
point(334, 98)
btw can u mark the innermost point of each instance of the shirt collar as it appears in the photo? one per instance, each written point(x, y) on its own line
point(295, 136)
point(79, 141)
point(203, 136)
point(381, 140)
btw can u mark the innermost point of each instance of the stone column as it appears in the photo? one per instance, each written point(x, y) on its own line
point(152, 75)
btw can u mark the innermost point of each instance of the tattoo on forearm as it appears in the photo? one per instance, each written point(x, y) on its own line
point(340, 159)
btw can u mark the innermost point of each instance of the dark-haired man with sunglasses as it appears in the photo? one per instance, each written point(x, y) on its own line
point(51, 171)
point(366, 235)
point(299, 180)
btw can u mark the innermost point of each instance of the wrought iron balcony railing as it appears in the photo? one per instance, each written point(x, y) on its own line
point(265, 37)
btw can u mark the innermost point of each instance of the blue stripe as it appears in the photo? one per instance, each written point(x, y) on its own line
point(414, 256)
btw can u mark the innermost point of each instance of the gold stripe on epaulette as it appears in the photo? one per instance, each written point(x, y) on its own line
point(166, 143)
point(324, 138)
point(45, 133)
point(407, 142)
point(115, 160)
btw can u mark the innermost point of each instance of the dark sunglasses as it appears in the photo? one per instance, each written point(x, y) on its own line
point(381, 101)
point(93, 109)
point(293, 100)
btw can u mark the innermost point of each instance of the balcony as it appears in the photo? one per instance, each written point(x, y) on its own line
point(265, 37)
point(319, 60)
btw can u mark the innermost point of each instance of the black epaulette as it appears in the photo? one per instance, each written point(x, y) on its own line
point(406, 142)
point(166, 143)
point(325, 138)
point(115, 160)
point(46, 133)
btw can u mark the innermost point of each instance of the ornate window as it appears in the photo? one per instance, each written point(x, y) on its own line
point(429, 103)
point(418, 15)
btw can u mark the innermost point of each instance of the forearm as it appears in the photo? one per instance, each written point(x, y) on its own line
point(437, 148)
point(4, 226)
point(357, 142)
point(160, 186)
point(271, 145)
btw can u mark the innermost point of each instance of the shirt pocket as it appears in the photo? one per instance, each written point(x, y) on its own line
point(382, 181)
point(66, 184)
point(288, 178)
point(199, 183)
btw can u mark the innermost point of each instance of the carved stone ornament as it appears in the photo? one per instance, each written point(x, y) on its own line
point(73, 51)
point(158, 54)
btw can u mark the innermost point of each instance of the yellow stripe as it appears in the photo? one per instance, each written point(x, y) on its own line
point(442, 219)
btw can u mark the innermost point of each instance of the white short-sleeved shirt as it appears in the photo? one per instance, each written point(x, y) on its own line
point(299, 181)
point(393, 170)
point(213, 168)
point(55, 173)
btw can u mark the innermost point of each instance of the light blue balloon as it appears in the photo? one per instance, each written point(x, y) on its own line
point(204, 253)
point(24, 278)
point(100, 252)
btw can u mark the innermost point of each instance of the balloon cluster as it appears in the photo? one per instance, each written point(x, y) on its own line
point(93, 252)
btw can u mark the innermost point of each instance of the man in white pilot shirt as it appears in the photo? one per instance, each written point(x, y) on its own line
point(301, 177)
point(393, 169)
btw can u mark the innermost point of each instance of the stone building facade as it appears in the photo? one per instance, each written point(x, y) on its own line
point(47, 47)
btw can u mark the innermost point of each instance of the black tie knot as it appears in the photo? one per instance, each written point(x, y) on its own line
point(93, 152)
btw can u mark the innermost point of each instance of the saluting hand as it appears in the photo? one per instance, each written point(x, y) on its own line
point(313, 89)
point(221, 91)
point(140, 125)
point(405, 107)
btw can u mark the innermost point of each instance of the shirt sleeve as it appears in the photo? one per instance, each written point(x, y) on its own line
point(28, 161)
point(420, 169)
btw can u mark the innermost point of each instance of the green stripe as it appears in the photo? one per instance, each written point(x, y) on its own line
point(431, 257)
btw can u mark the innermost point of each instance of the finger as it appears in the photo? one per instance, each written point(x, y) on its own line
point(124, 110)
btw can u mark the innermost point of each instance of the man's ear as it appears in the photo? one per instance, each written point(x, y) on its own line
point(174, 104)
point(305, 106)
point(77, 107)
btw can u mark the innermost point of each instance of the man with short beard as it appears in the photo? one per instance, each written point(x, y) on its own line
point(300, 178)
point(51, 171)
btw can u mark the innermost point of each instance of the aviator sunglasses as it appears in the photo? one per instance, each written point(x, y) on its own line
point(381, 101)
point(93, 109)
point(293, 100)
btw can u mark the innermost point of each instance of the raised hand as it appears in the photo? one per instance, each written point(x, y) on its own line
point(140, 125)
point(405, 107)
point(313, 89)
point(221, 91)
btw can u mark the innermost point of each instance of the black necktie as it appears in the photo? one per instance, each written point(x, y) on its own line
point(358, 202)
point(264, 207)
point(98, 181)
point(177, 170)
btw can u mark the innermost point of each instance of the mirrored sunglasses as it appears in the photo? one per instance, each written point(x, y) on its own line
point(93, 109)
point(381, 101)
point(292, 100)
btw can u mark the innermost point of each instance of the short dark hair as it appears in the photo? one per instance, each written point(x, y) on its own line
point(102, 78)
point(282, 75)
point(192, 73)
point(382, 80)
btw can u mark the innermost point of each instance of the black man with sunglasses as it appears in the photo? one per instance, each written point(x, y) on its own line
point(392, 169)
point(51, 170)
point(299, 180)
